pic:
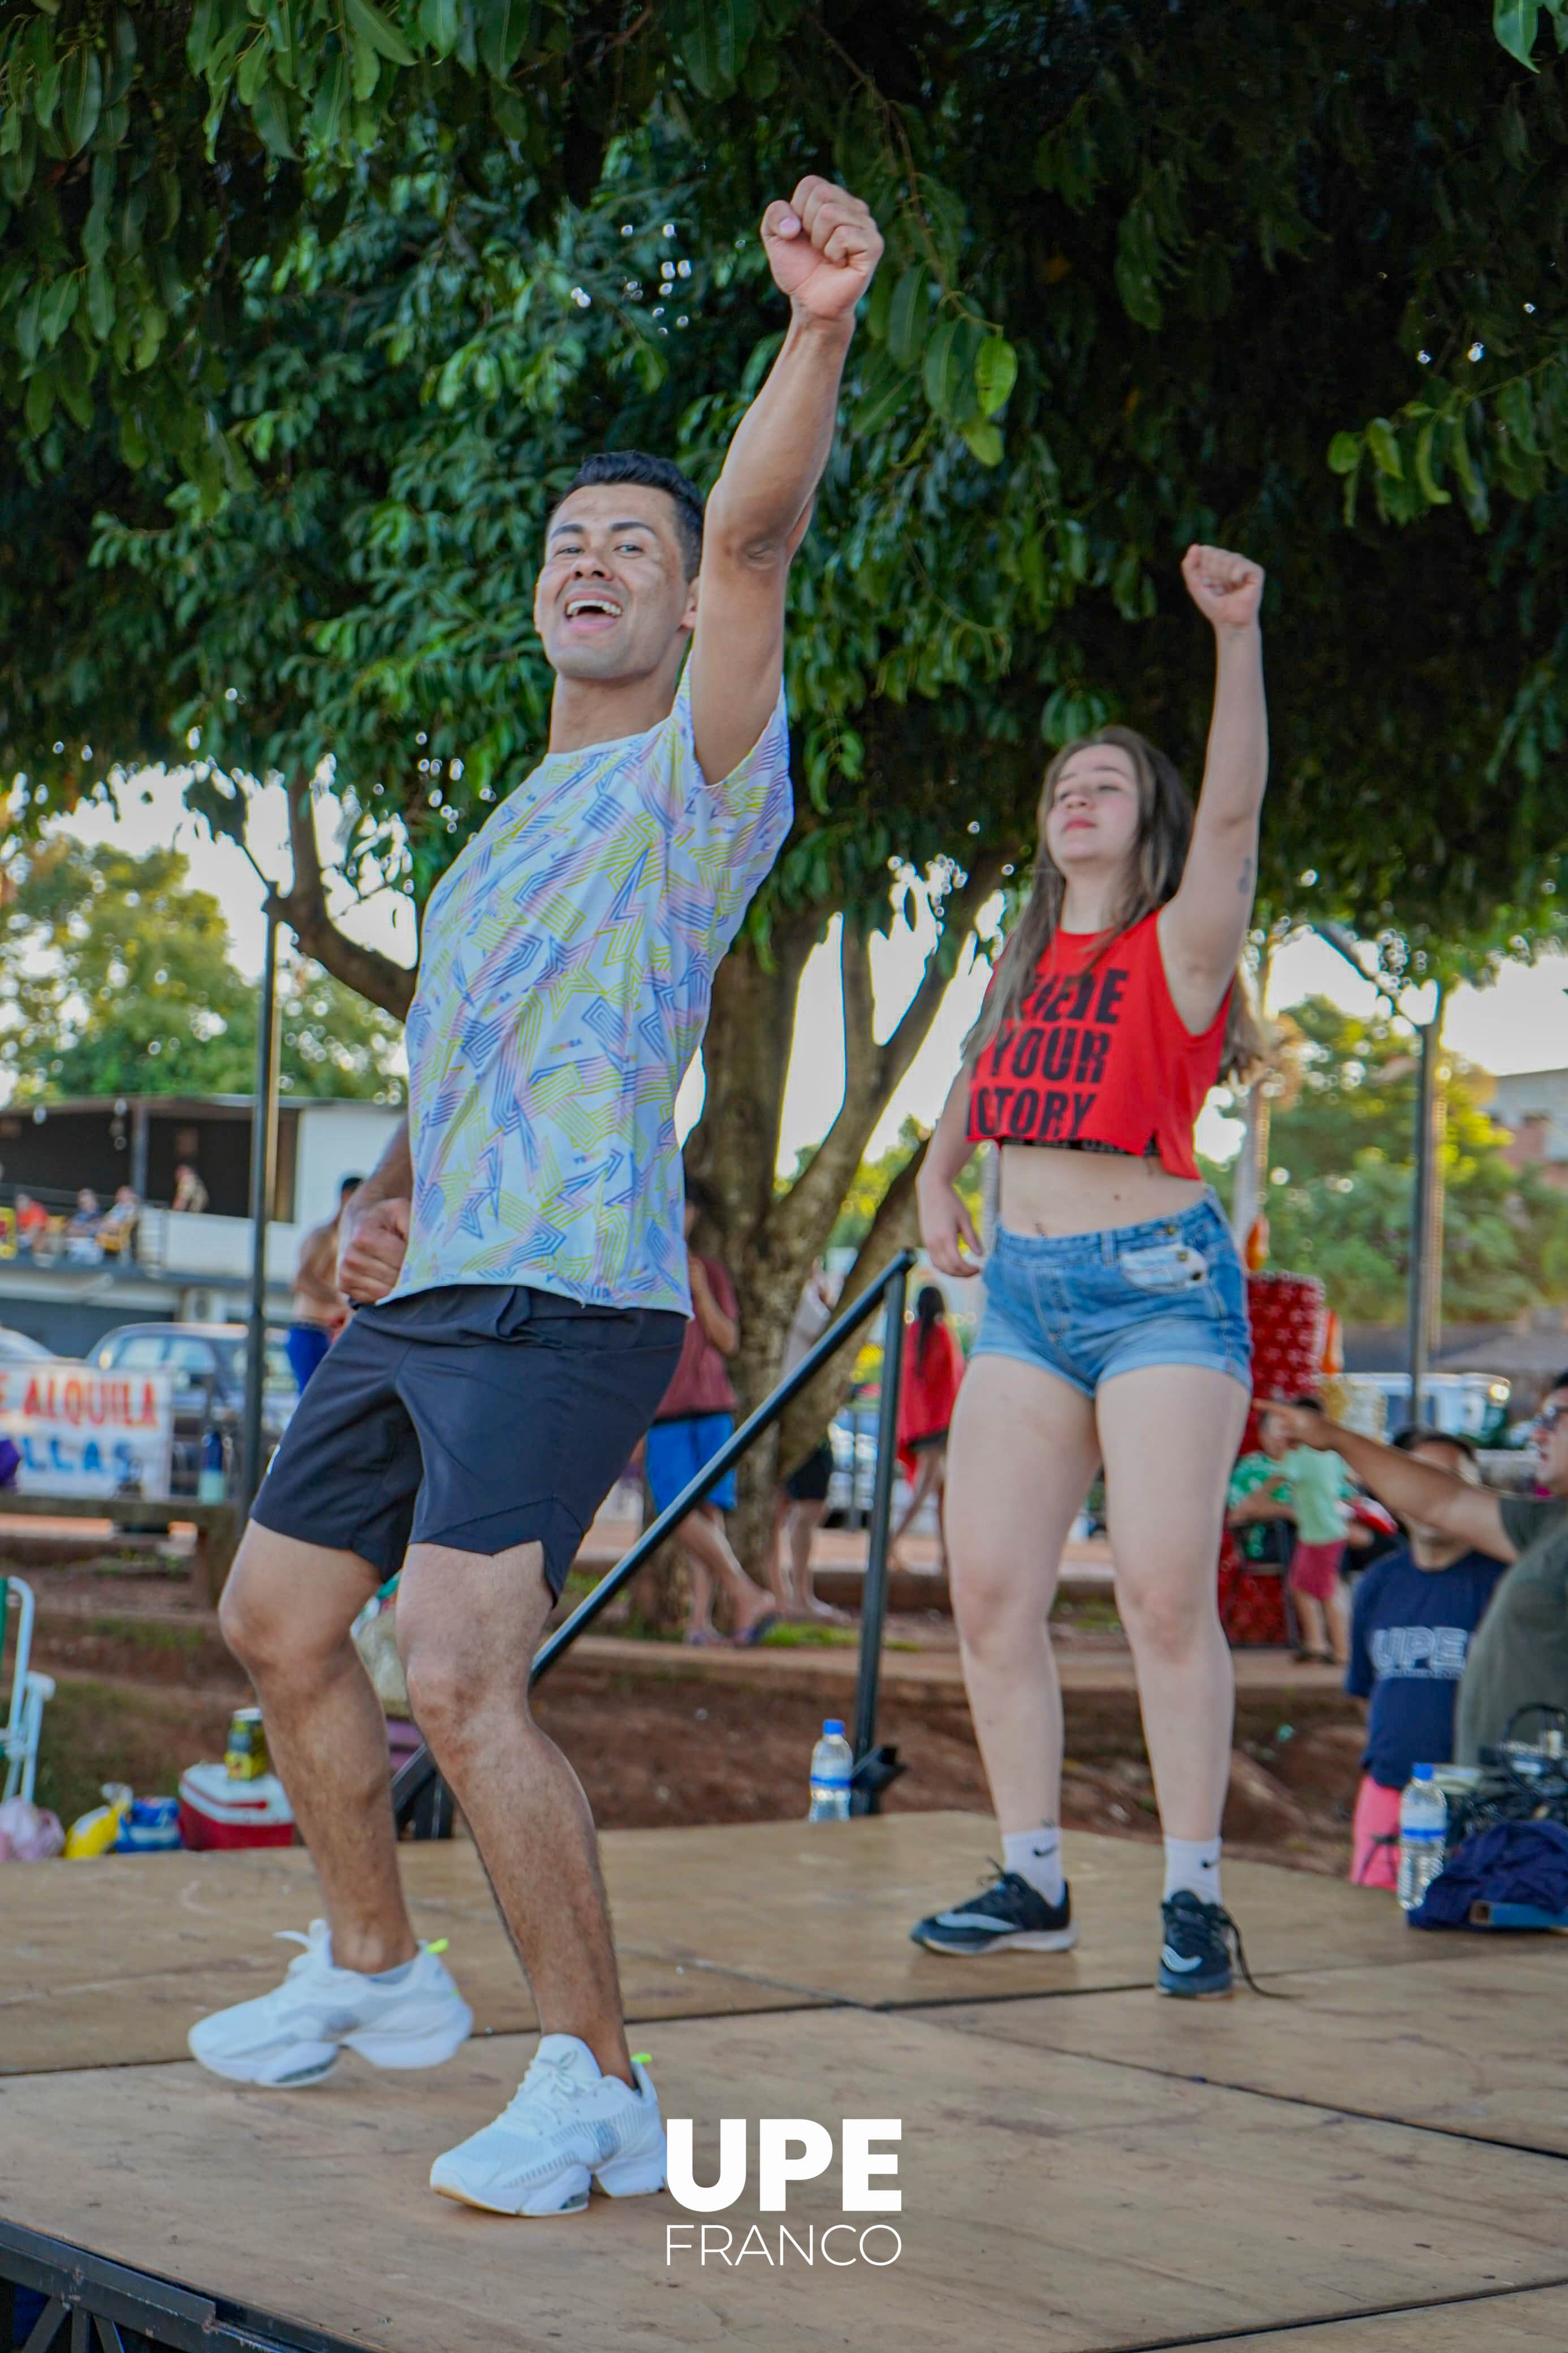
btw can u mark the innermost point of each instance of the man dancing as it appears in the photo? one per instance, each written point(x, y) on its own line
point(519, 1253)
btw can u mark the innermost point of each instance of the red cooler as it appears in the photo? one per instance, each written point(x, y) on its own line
point(216, 1811)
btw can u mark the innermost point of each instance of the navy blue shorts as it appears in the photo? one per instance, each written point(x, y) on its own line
point(678, 1450)
point(478, 1414)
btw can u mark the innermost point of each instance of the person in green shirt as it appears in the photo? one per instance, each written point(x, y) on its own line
point(1518, 1655)
point(1307, 1487)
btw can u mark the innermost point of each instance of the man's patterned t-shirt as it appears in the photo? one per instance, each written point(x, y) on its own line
point(566, 974)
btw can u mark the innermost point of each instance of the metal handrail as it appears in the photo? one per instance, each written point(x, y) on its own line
point(414, 1777)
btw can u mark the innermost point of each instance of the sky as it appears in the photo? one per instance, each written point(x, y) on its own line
point(1518, 1024)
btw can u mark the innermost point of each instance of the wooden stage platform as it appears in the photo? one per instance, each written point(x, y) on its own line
point(1371, 2162)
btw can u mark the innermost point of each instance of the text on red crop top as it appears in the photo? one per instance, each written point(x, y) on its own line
point(1098, 1054)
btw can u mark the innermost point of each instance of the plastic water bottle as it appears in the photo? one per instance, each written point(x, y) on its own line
point(1423, 1835)
point(832, 1761)
point(210, 1481)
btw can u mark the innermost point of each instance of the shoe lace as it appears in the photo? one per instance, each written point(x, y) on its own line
point(993, 1886)
point(1230, 1936)
point(318, 1953)
point(552, 2083)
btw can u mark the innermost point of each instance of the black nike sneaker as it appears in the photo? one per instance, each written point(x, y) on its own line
point(1196, 1958)
point(1009, 1913)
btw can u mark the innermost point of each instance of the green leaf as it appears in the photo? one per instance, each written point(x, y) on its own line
point(502, 26)
point(58, 304)
point(95, 229)
point(27, 311)
point(1383, 441)
point(280, 32)
point(1344, 453)
point(46, 88)
point(199, 38)
point(271, 116)
point(39, 405)
point(438, 23)
point(1464, 464)
point(83, 92)
point(1431, 489)
point(711, 38)
point(949, 369)
point(996, 372)
point(331, 98)
point(149, 335)
point(984, 440)
point(909, 315)
point(363, 68)
point(101, 300)
point(1514, 22)
point(886, 390)
point(367, 23)
point(253, 65)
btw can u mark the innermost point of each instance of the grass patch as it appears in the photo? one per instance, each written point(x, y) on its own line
point(807, 1637)
point(97, 1732)
point(148, 1634)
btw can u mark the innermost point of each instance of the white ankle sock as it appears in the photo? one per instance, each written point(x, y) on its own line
point(1037, 1858)
point(1192, 1864)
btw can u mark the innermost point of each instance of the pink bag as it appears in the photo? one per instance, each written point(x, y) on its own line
point(28, 1833)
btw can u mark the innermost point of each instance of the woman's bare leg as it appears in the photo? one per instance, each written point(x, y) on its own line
point(1023, 1453)
point(1168, 1435)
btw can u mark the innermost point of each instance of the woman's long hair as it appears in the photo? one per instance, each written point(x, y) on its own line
point(1153, 875)
point(930, 1308)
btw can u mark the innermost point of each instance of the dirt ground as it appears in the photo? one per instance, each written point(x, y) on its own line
point(145, 1688)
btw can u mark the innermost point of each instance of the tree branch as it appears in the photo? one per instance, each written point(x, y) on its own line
point(303, 907)
point(872, 1071)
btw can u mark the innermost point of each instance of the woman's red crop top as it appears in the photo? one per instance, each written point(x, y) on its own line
point(1097, 1054)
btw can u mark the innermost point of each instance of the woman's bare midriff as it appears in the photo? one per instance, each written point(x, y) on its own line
point(1046, 1190)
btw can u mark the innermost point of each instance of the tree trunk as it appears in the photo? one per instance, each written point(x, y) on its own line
point(770, 1239)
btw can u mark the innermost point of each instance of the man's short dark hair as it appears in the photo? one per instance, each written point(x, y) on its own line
point(699, 1197)
point(1560, 1383)
point(649, 474)
point(1417, 1433)
point(349, 1185)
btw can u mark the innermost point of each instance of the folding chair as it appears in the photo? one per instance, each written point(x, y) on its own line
point(19, 1737)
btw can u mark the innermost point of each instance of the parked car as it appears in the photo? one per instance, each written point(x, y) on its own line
point(207, 1361)
point(21, 1348)
point(1475, 1404)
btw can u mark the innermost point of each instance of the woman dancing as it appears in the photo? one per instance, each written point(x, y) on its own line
point(1115, 1327)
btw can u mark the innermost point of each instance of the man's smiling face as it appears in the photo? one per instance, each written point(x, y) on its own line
point(613, 595)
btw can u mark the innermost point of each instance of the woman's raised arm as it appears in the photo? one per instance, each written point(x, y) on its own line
point(1203, 928)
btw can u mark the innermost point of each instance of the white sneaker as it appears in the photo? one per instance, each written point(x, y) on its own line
point(568, 2123)
point(293, 2034)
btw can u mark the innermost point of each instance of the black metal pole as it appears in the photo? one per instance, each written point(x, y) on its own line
point(414, 1775)
point(263, 1170)
point(1419, 1337)
point(874, 1597)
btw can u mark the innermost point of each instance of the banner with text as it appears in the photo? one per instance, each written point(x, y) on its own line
point(81, 1432)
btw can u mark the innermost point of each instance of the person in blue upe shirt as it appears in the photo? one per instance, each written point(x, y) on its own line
point(1416, 1610)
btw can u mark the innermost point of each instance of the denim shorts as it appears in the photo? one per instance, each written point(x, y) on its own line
point(1088, 1306)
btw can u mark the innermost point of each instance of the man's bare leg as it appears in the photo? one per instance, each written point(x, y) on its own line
point(701, 1537)
point(468, 1625)
point(805, 1520)
point(285, 1613)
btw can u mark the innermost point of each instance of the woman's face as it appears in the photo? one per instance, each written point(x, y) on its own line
point(1091, 825)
